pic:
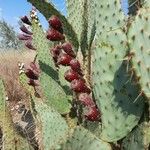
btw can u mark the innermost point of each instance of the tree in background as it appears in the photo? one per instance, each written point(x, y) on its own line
point(8, 36)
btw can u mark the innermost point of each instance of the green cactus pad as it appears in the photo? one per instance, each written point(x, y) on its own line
point(56, 95)
point(145, 4)
point(139, 43)
point(94, 127)
point(47, 9)
point(82, 139)
point(81, 15)
point(138, 139)
point(52, 126)
point(109, 16)
point(10, 138)
point(64, 83)
point(72, 14)
point(113, 89)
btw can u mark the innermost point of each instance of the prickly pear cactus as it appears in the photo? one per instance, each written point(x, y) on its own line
point(47, 9)
point(53, 127)
point(83, 140)
point(139, 39)
point(138, 139)
point(114, 91)
point(85, 21)
point(56, 95)
point(96, 99)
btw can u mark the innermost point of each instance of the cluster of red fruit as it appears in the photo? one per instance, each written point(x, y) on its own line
point(26, 35)
point(63, 54)
point(32, 71)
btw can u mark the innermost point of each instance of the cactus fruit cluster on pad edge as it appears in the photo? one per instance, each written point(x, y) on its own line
point(88, 86)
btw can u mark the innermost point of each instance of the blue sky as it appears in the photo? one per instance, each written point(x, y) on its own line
point(11, 10)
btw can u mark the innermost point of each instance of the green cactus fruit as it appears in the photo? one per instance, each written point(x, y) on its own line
point(82, 139)
point(47, 9)
point(54, 92)
point(53, 128)
point(138, 139)
point(114, 92)
point(139, 39)
point(10, 138)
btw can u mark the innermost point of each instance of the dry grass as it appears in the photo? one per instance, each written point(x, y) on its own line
point(9, 71)
point(18, 97)
point(9, 62)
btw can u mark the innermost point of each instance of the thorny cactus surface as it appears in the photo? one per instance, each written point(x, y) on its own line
point(89, 85)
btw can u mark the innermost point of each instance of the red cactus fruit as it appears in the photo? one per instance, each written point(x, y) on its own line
point(67, 47)
point(86, 99)
point(56, 50)
point(31, 74)
point(35, 67)
point(24, 37)
point(33, 82)
point(25, 30)
point(70, 75)
point(29, 45)
point(78, 85)
point(55, 22)
point(25, 20)
point(54, 35)
point(64, 59)
point(92, 113)
point(75, 65)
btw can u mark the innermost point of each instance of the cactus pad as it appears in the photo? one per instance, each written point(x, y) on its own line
point(138, 139)
point(52, 126)
point(114, 92)
point(56, 96)
point(82, 139)
point(139, 39)
point(84, 25)
point(108, 20)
